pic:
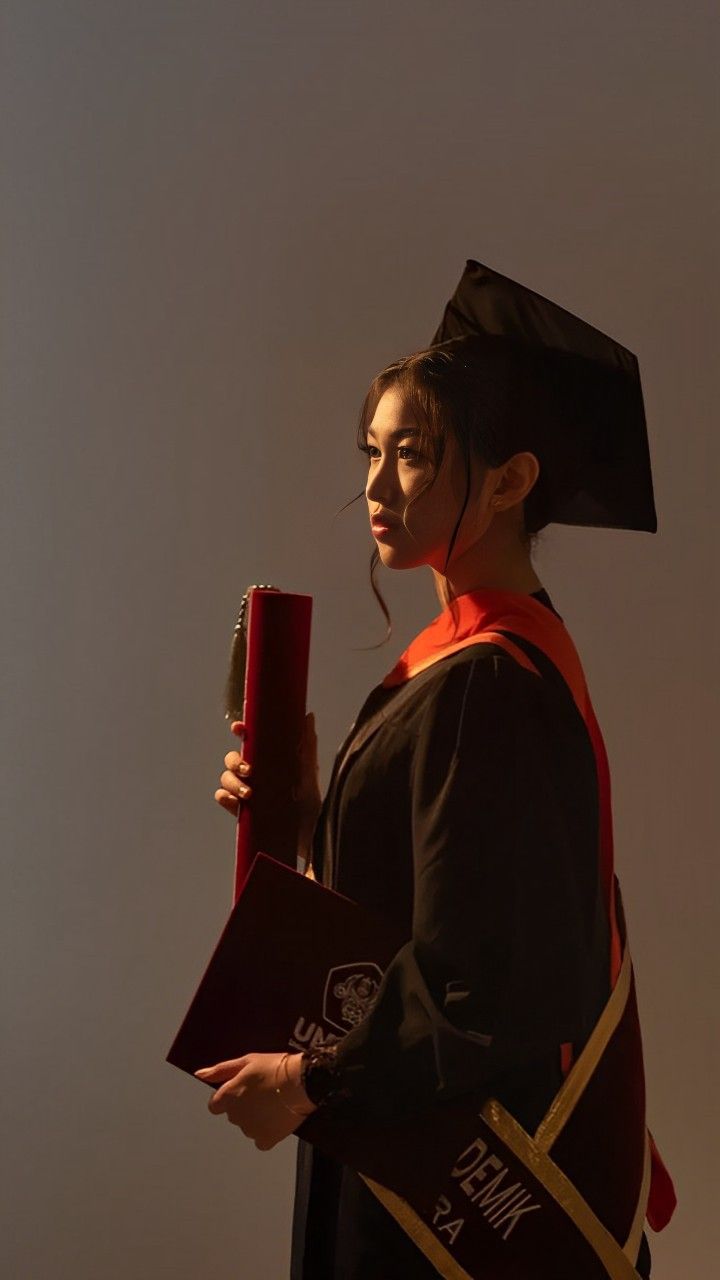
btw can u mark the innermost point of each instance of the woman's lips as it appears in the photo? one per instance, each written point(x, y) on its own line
point(380, 530)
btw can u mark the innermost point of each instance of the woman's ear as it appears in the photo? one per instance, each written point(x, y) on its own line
point(516, 480)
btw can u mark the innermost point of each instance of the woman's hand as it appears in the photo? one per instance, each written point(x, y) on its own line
point(247, 1095)
point(235, 790)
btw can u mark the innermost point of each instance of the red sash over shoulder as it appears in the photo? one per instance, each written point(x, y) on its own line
point(485, 615)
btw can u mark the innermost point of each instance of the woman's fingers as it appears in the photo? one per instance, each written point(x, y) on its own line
point(229, 1067)
point(234, 761)
point(226, 801)
point(235, 785)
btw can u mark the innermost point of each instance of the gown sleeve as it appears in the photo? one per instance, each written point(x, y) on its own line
point(506, 908)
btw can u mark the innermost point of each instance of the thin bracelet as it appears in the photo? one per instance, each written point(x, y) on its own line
point(294, 1110)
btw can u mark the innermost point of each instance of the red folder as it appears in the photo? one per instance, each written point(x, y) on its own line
point(297, 965)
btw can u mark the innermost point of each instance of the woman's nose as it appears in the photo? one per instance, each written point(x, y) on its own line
point(379, 495)
point(379, 487)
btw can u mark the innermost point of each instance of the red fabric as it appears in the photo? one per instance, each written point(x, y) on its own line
point(662, 1199)
point(566, 1057)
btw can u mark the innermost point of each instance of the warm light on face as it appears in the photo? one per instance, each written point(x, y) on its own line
point(401, 482)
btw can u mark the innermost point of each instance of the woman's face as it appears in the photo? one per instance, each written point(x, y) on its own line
point(396, 471)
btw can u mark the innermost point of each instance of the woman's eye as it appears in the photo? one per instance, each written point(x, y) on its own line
point(371, 450)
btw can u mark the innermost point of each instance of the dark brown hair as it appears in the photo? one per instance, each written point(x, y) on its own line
point(485, 392)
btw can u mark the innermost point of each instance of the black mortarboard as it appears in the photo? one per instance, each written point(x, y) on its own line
point(578, 389)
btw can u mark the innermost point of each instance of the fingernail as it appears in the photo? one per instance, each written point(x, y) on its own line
point(202, 1071)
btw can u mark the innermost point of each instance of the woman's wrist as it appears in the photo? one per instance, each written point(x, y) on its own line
point(321, 1075)
point(293, 1091)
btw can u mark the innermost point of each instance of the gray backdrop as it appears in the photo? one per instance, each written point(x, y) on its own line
point(220, 220)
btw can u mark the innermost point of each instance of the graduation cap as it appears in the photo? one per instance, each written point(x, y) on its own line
point(576, 391)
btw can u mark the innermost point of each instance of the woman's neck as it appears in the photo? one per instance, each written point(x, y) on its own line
point(516, 576)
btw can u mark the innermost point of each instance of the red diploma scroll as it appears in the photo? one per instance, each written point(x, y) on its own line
point(267, 689)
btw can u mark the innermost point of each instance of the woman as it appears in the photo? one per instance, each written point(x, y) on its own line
point(470, 819)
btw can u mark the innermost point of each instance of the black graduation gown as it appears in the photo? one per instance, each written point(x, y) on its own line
point(470, 818)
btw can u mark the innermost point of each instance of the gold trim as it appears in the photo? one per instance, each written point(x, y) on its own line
point(573, 1087)
point(419, 1232)
point(632, 1244)
point(617, 1262)
point(559, 1186)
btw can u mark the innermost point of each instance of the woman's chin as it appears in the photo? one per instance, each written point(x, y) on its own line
point(397, 558)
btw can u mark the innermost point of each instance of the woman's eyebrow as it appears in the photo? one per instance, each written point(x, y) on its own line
point(400, 431)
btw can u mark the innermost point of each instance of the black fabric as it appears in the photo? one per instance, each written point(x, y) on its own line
point(470, 818)
point(644, 1258)
point(554, 384)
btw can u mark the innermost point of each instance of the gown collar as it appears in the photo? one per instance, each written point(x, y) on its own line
point(482, 611)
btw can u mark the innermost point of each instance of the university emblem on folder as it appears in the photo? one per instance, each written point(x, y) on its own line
point(350, 992)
